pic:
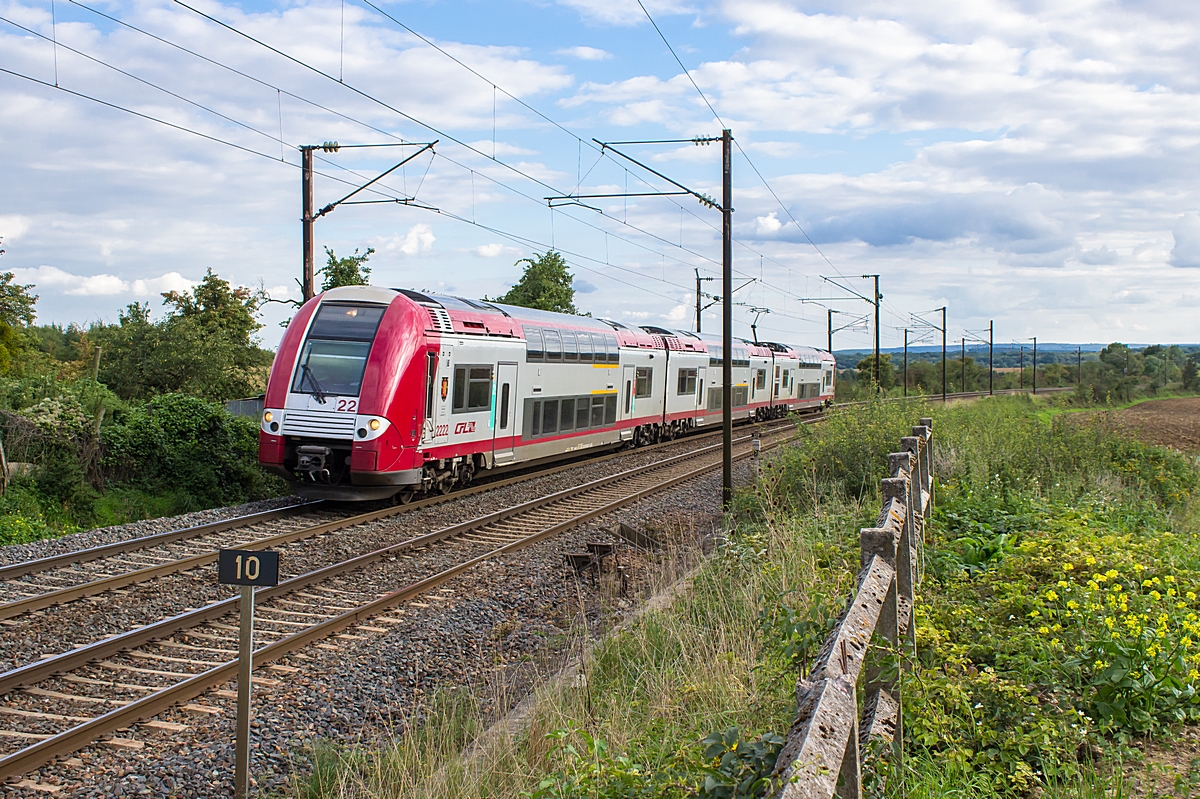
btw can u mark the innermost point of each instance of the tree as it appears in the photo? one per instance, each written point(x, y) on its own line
point(349, 271)
point(1191, 374)
point(545, 285)
point(16, 301)
point(217, 308)
point(204, 346)
point(887, 371)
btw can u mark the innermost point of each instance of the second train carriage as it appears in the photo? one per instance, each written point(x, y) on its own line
point(379, 392)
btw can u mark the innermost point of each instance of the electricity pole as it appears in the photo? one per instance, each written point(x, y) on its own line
point(963, 360)
point(943, 355)
point(698, 295)
point(306, 218)
point(906, 361)
point(878, 297)
point(1079, 366)
point(727, 317)
point(830, 343)
point(1021, 370)
point(991, 338)
point(1035, 364)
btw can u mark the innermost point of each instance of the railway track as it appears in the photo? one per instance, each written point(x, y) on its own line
point(62, 703)
point(38, 584)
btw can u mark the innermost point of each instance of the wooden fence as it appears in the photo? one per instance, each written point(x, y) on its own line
point(823, 754)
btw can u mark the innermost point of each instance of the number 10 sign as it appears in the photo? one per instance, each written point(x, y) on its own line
point(248, 569)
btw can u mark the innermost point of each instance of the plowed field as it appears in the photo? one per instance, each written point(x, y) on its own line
point(1170, 422)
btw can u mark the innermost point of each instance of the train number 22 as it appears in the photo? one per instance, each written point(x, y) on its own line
point(347, 405)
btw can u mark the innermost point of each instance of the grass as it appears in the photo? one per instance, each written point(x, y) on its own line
point(689, 700)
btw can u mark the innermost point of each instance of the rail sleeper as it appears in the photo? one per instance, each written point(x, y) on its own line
point(822, 755)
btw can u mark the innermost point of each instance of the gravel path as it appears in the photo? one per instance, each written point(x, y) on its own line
point(496, 630)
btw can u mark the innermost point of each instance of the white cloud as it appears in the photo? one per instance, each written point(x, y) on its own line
point(676, 314)
point(584, 53)
point(418, 239)
point(768, 224)
point(1186, 252)
point(13, 227)
point(102, 285)
point(494, 250)
point(623, 12)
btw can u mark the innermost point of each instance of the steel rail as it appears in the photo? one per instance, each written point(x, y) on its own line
point(73, 739)
point(145, 574)
point(75, 658)
point(144, 542)
point(38, 565)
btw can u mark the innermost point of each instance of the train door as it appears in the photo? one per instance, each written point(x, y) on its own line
point(504, 431)
point(701, 403)
point(627, 385)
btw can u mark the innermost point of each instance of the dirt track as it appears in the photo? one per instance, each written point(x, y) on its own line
point(1170, 422)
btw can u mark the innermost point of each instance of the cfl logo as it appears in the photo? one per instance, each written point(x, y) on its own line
point(464, 427)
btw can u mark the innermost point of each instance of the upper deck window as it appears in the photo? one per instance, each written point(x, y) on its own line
point(335, 353)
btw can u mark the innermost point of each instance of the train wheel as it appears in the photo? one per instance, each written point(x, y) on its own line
point(403, 497)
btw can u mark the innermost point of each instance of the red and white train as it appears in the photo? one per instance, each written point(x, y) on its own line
point(379, 392)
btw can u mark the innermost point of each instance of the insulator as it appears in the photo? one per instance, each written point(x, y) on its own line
point(330, 146)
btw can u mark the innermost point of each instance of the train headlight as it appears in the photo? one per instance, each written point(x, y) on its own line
point(373, 424)
point(268, 416)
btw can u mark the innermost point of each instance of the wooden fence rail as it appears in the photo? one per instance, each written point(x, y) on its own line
point(823, 754)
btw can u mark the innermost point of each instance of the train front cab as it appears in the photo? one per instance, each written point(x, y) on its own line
point(343, 413)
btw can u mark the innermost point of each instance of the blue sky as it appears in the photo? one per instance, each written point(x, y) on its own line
point(1028, 162)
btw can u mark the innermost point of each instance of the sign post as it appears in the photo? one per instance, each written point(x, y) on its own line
point(247, 569)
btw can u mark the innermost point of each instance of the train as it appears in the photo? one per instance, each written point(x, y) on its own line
point(380, 393)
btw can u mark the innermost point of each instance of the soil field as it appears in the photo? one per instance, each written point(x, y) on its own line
point(1169, 422)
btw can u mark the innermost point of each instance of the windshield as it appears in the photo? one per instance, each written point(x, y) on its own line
point(335, 355)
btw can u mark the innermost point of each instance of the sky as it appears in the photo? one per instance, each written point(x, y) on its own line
point(1031, 164)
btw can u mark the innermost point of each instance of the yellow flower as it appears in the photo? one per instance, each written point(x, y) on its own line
point(1185, 641)
point(1050, 595)
point(1043, 630)
point(1099, 664)
point(1068, 567)
point(1139, 567)
point(1170, 578)
point(1034, 614)
point(1117, 587)
point(1053, 642)
point(1170, 592)
point(1063, 584)
point(1155, 596)
point(1147, 583)
point(1089, 560)
point(1180, 605)
point(1191, 595)
point(1193, 674)
point(1108, 622)
point(1099, 577)
point(1112, 574)
point(1072, 604)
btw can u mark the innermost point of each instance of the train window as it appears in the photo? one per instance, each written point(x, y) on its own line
point(585, 347)
point(504, 406)
point(598, 411)
point(614, 354)
point(760, 379)
point(610, 409)
point(598, 345)
point(331, 367)
point(628, 397)
point(740, 398)
point(566, 418)
point(553, 345)
point(472, 389)
point(715, 398)
point(776, 372)
point(549, 416)
point(714, 355)
point(645, 381)
point(338, 322)
point(581, 413)
point(687, 382)
point(431, 360)
point(460, 389)
point(570, 351)
point(535, 349)
point(536, 416)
